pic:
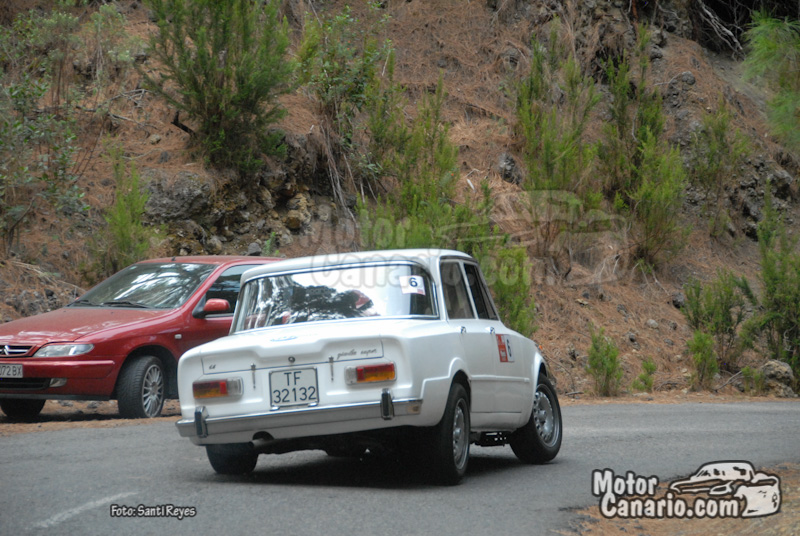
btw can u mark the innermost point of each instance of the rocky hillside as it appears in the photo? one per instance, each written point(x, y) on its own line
point(478, 48)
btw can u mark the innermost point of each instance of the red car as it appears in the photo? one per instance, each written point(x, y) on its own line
point(122, 339)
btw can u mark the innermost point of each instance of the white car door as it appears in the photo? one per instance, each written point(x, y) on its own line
point(477, 341)
point(512, 391)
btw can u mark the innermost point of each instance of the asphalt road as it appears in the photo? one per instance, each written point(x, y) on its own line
point(65, 482)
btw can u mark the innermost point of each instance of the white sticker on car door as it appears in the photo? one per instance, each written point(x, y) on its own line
point(412, 284)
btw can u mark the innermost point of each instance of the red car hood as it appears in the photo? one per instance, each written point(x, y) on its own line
point(71, 323)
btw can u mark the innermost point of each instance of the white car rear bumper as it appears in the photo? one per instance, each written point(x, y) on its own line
point(301, 422)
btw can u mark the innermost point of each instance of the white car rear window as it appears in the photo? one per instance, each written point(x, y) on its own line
point(396, 290)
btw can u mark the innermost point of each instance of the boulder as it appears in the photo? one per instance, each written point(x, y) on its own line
point(782, 184)
point(295, 220)
point(174, 198)
point(778, 378)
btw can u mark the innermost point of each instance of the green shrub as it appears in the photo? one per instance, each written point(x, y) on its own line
point(617, 150)
point(38, 42)
point(636, 116)
point(717, 150)
point(774, 55)
point(225, 67)
point(422, 212)
point(753, 381)
point(270, 246)
point(719, 309)
point(659, 231)
point(36, 157)
point(48, 42)
point(109, 48)
point(642, 175)
point(350, 72)
point(553, 107)
point(701, 347)
point(385, 125)
point(645, 380)
point(554, 102)
point(604, 365)
point(778, 316)
point(339, 58)
point(508, 271)
point(125, 239)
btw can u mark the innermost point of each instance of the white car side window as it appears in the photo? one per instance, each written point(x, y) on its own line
point(455, 292)
point(479, 292)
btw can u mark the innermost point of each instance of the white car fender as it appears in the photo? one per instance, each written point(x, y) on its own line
point(538, 368)
point(435, 391)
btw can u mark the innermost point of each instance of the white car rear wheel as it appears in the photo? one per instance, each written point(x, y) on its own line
point(232, 458)
point(540, 439)
point(450, 438)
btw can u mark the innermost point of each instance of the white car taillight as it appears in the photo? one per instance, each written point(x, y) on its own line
point(218, 388)
point(383, 372)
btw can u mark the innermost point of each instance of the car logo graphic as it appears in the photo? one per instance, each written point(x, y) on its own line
point(761, 491)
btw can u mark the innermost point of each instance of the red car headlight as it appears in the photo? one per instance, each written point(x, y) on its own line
point(63, 350)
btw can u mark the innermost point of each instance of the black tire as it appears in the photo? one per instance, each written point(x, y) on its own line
point(540, 439)
point(21, 410)
point(449, 440)
point(140, 388)
point(232, 458)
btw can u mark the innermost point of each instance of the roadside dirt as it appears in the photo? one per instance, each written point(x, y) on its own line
point(69, 415)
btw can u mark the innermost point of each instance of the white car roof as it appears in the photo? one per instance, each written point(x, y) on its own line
point(426, 257)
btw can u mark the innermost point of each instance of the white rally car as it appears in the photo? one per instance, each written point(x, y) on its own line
point(399, 351)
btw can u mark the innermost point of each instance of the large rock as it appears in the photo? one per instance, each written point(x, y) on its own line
point(306, 159)
point(175, 198)
point(188, 238)
point(778, 378)
point(782, 184)
point(299, 215)
point(508, 169)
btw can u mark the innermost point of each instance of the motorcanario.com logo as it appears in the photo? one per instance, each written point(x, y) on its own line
point(722, 489)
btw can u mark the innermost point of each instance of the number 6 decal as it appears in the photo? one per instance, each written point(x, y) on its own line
point(412, 284)
point(504, 349)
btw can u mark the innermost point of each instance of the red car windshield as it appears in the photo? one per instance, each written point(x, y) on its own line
point(147, 285)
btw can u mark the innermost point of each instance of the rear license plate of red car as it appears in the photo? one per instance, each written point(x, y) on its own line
point(10, 371)
point(295, 387)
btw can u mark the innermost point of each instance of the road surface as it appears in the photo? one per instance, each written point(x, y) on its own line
point(70, 481)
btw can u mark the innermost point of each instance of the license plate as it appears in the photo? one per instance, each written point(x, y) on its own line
point(296, 387)
point(10, 371)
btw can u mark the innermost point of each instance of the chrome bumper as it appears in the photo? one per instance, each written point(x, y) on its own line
point(202, 426)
